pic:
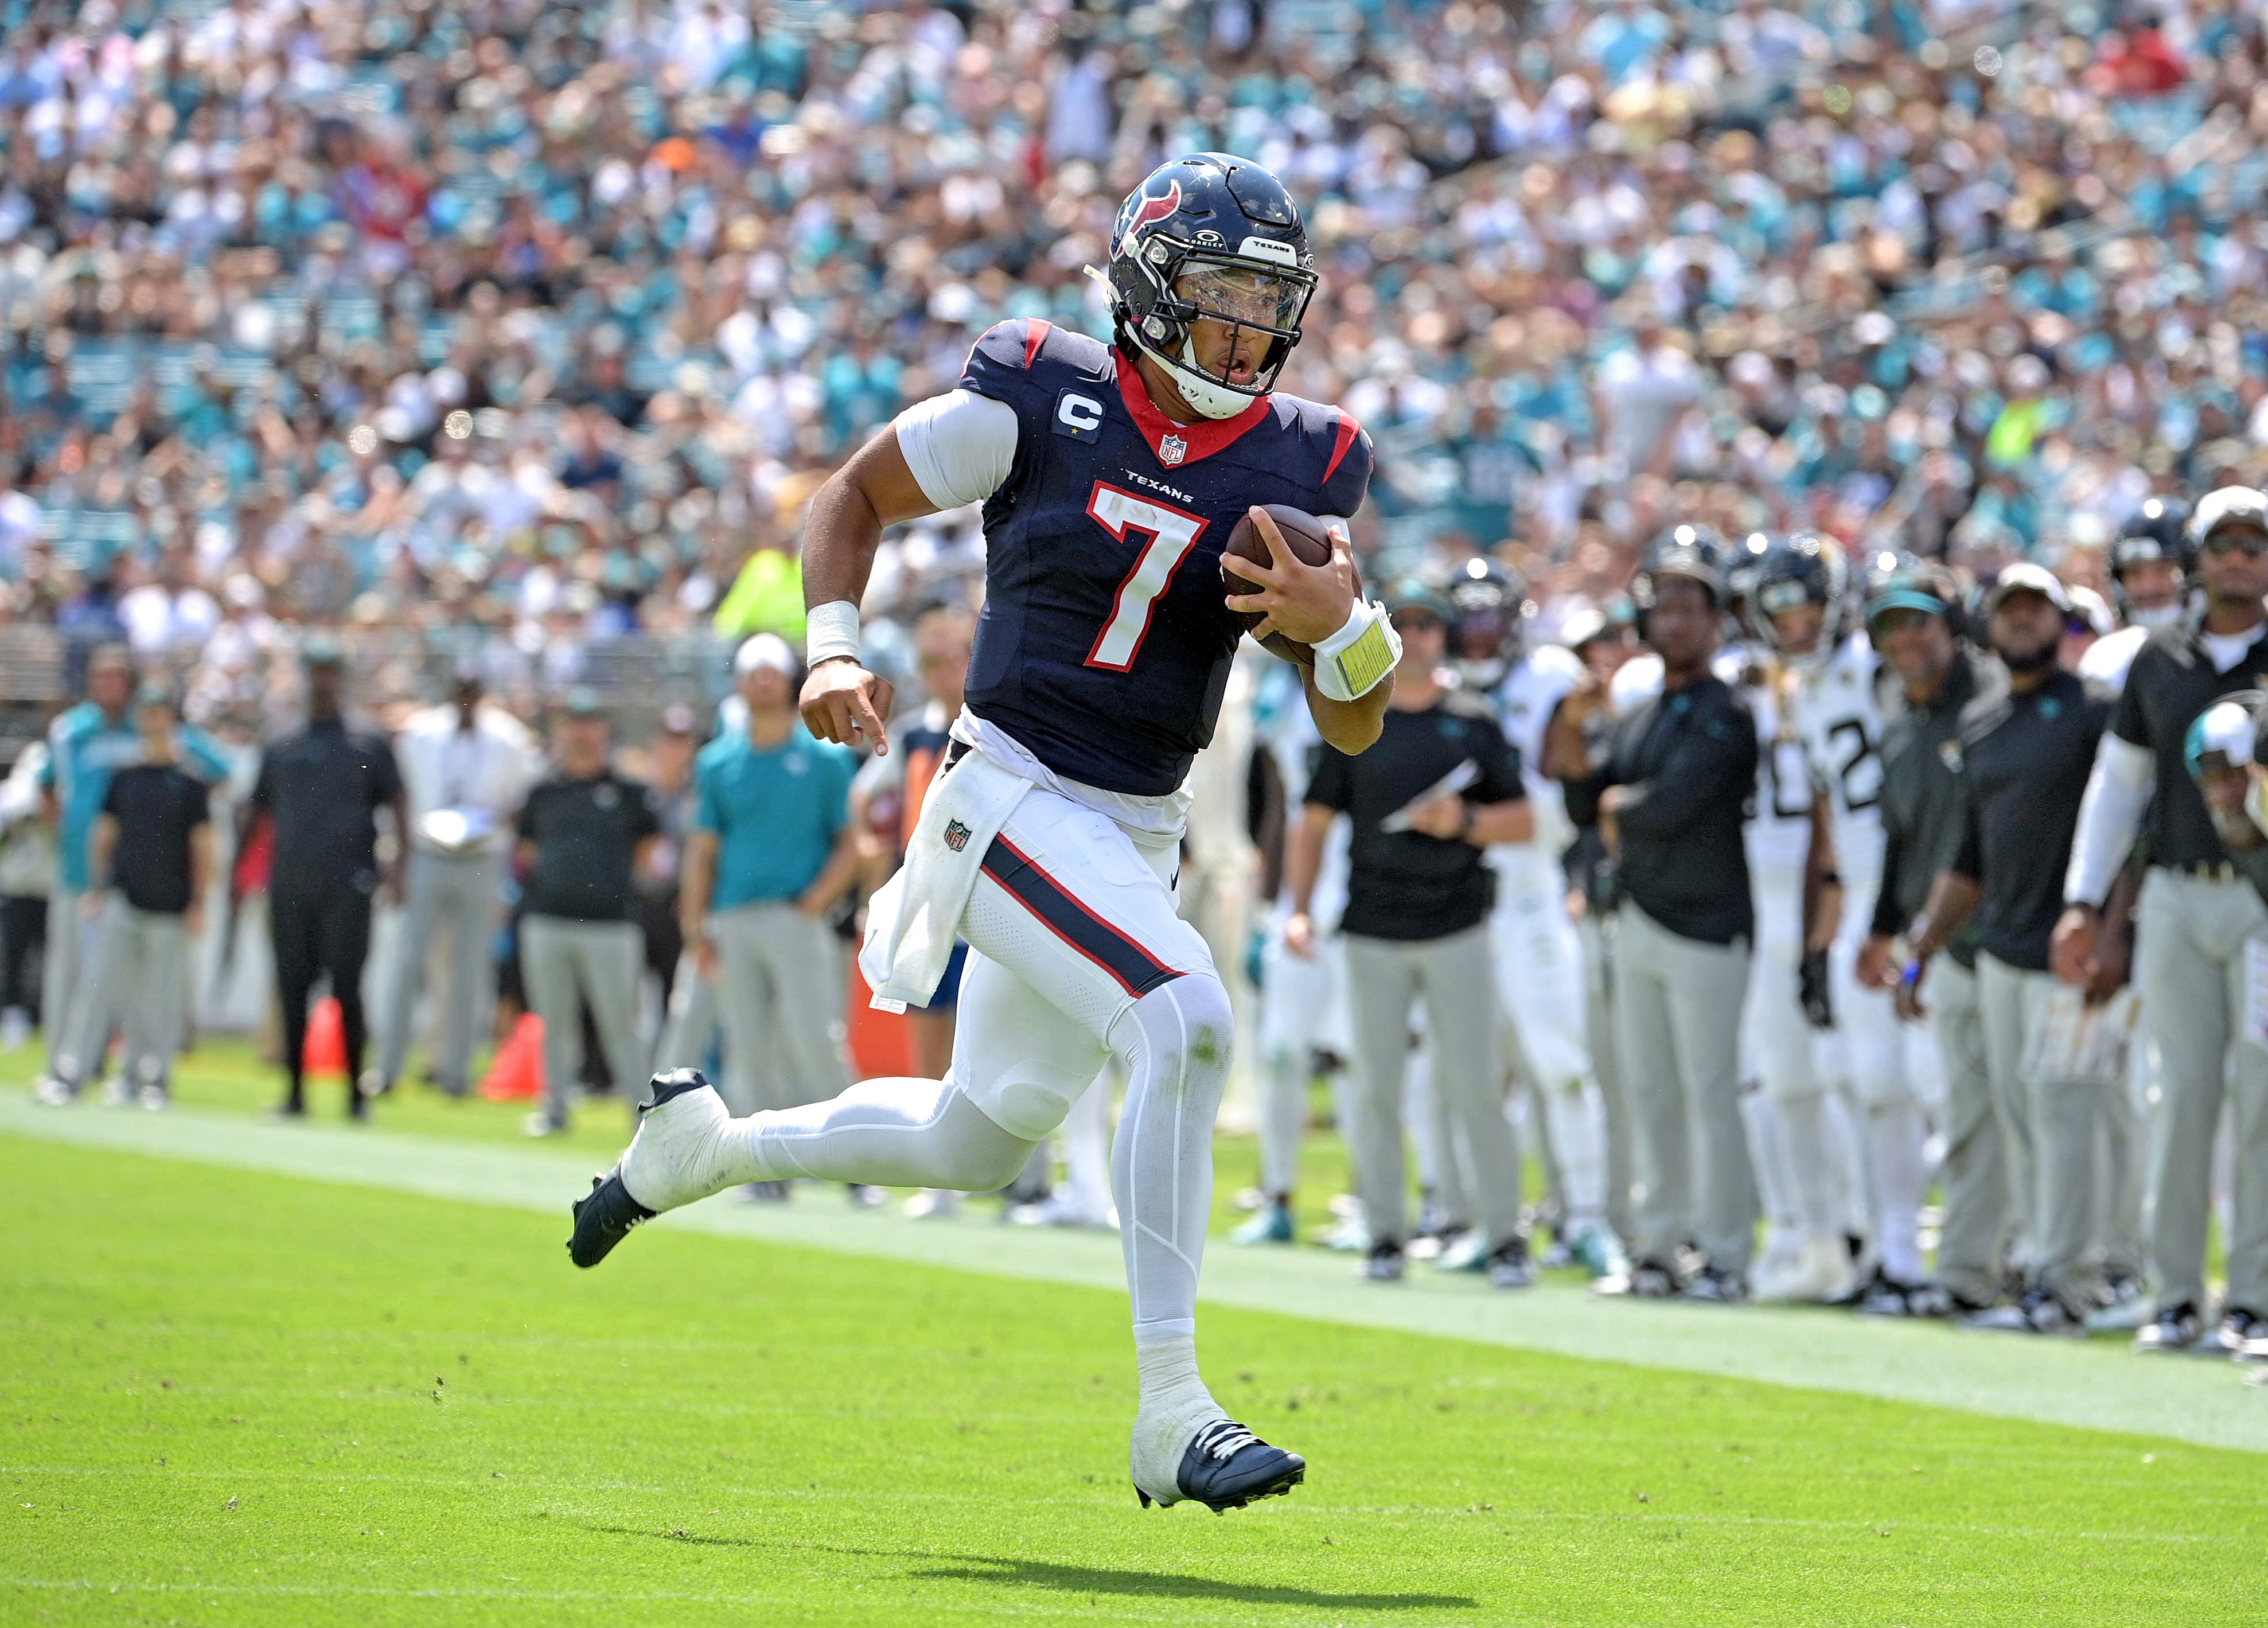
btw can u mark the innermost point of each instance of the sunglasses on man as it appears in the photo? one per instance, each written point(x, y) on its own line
point(2245, 539)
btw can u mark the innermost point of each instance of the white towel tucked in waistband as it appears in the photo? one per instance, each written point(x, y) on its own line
point(911, 921)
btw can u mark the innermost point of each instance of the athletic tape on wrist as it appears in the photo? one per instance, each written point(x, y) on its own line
point(1354, 660)
point(829, 631)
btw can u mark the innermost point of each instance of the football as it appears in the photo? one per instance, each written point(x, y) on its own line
point(1306, 538)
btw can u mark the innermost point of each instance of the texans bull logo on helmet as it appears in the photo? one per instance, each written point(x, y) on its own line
point(1145, 210)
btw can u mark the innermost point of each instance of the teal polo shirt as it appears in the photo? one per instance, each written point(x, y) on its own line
point(776, 813)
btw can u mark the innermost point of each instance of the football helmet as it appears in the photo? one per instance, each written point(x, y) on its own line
point(1489, 632)
point(2156, 531)
point(1209, 236)
point(1804, 569)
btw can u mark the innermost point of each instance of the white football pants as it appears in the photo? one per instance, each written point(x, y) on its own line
point(1546, 1006)
point(1077, 956)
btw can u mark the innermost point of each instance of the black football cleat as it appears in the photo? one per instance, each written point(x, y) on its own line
point(603, 1218)
point(1228, 1467)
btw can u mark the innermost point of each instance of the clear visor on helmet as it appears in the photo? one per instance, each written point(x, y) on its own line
point(1244, 293)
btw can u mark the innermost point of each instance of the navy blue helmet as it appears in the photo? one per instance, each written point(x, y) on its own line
point(1491, 620)
point(2159, 530)
point(1804, 569)
point(1212, 236)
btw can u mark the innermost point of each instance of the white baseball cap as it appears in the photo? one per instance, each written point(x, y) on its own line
point(764, 650)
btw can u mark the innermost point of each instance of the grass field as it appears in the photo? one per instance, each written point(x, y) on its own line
point(233, 1397)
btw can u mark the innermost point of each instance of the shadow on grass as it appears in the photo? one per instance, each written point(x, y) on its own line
point(1079, 1579)
point(1171, 1586)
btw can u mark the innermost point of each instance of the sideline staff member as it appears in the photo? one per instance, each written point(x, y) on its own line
point(583, 831)
point(1669, 796)
point(148, 856)
point(323, 784)
point(2196, 916)
point(1437, 787)
point(771, 850)
point(2026, 756)
point(1910, 617)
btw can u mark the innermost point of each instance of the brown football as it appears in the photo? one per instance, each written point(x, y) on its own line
point(1305, 534)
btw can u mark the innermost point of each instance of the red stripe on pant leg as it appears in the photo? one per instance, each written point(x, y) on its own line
point(1063, 914)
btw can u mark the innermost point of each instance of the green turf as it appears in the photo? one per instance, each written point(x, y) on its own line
point(238, 1398)
point(224, 1073)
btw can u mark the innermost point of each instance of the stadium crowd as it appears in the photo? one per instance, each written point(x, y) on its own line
point(482, 358)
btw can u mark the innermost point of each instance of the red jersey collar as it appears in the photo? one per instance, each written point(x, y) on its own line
point(1201, 440)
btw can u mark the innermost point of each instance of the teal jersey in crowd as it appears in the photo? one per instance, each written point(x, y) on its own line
point(84, 749)
point(776, 813)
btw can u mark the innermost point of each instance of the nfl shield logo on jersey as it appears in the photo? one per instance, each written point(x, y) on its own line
point(956, 836)
point(1171, 450)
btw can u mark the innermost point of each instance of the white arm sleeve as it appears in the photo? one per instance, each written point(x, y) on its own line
point(959, 445)
point(2108, 815)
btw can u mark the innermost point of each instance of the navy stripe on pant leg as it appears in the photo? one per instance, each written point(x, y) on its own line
point(1136, 971)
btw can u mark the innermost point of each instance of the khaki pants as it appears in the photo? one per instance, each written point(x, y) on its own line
point(458, 900)
point(1677, 1013)
point(1977, 1217)
point(2190, 934)
point(564, 963)
point(1456, 976)
point(134, 978)
point(1597, 934)
point(780, 993)
point(2047, 1131)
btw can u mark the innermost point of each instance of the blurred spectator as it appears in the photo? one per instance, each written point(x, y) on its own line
point(538, 331)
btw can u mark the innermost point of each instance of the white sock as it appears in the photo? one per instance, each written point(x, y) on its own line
point(1803, 1128)
point(1578, 1116)
point(1894, 1136)
point(1174, 1043)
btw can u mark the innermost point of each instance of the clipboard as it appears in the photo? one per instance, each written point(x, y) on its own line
point(1449, 785)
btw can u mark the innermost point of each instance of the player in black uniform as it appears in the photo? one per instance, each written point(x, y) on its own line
point(1111, 475)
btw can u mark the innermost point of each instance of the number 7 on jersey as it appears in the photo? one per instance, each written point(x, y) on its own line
point(1166, 537)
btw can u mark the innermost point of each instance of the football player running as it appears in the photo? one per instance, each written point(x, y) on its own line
point(1111, 475)
point(1801, 608)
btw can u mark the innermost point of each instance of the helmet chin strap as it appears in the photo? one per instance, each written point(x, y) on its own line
point(1211, 400)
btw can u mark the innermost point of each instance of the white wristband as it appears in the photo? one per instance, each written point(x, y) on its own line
point(1354, 660)
point(830, 630)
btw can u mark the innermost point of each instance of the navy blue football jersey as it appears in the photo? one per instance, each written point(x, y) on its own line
point(1105, 645)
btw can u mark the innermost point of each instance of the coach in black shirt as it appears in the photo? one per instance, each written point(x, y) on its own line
point(1437, 788)
point(1910, 617)
point(1670, 797)
point(323, 787)
point(582, 832)
point(2026, 758)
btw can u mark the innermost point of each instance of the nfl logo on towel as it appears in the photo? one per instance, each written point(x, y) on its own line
point(956, 836)
point(1171, 450)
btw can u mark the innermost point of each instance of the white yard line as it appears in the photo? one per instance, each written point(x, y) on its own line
point(2090, 1383)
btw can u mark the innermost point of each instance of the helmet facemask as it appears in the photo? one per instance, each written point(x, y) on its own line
point(1218, 307)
